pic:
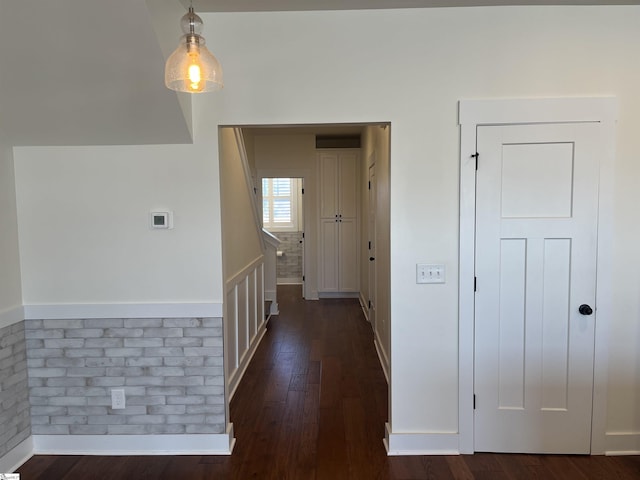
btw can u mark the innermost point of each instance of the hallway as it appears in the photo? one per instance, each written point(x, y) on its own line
point(314, 398)
point(312, 406)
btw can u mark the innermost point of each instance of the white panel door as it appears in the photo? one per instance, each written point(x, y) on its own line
point(348, 255)
point(328, 167)
point(536, 219)
point(348, 181)
point(328, 258)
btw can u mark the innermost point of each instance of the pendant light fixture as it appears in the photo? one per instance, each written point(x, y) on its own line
point(192, 67)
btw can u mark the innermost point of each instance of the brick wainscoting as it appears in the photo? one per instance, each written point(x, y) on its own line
point(14, 392)
point(170, 369)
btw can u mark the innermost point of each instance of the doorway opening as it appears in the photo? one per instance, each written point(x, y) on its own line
point(283, 216)
point(342, 218)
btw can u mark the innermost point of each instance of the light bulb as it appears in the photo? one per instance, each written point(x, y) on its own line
point(194, 73)
point(194, 77)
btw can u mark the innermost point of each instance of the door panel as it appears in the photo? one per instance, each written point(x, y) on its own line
point(348, 181)
point(348, 256)
point(536, 219)
point(328, 166)
point(328, 264)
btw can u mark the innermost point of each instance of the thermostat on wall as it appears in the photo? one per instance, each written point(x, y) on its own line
point(162, 220)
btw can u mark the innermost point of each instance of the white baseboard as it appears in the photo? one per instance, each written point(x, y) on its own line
point(236, 376)
point(15, 457)
point(205, 444)
point(364, 306)
point(270, 295)
point(273, 309)
point(623, 443)
point(289, 281)
point(382, 357)
point(338, 295)
point(420, 443)
point(122, 310)
point(11, 316)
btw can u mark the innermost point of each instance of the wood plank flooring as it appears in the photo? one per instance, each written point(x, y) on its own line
point(312, 405)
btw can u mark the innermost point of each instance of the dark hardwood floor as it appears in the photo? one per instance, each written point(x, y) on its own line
point(312, 405)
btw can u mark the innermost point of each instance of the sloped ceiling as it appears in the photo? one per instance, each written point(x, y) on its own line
point(84, 72)
point(90, 72)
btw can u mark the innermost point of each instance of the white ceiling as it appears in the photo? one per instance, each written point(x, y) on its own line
point(90, 72)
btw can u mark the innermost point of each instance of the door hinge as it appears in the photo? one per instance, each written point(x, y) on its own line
point(303, 191)
point(476, 156)
point(475, 284)
point(369, 303)
point(474, 401)
point(255, 191)
point(369, 184)
point(303, 278)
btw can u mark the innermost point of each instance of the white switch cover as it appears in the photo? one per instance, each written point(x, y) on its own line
point(117, 399)
point(430, 273)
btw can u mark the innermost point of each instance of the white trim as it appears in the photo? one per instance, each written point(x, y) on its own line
point(473, 113)
point(289, 281)
point(205, 444)
point(338, 295)
point(308, 183)
point(270, 296)
point(623, 443)
point(14, 458)
point(244, 273)
point(363, 305)
point(382, 357)
point(537, 110)
point(604, 291)
point(270, 239)
point(245, 360)
point(420, 443)
point(11, 316)
point(122, 310)
point(248, 180)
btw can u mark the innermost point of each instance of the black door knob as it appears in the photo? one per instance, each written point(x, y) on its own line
point(371, 259)
point(585, 309)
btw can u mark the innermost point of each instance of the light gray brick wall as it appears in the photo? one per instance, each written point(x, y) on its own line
point(15, 424)
point(170, 369)
point(289, 265)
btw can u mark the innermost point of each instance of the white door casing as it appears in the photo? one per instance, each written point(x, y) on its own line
point(473, 115)
point(536, 221)
point(373, 279)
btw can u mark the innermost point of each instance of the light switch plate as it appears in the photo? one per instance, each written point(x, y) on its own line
point(430, 273)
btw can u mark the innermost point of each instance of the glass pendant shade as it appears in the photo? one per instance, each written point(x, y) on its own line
point(192, 67)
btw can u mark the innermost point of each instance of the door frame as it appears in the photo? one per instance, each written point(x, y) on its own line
point(372, 225)
point(471, 115)
point(305, 174)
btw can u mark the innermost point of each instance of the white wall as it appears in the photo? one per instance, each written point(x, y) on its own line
point(84, 224)
point(10, 284)
point(240, 235)
point(375, 149)
point(410, 67)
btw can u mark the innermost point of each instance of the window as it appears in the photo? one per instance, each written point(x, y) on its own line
point(280, 204)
